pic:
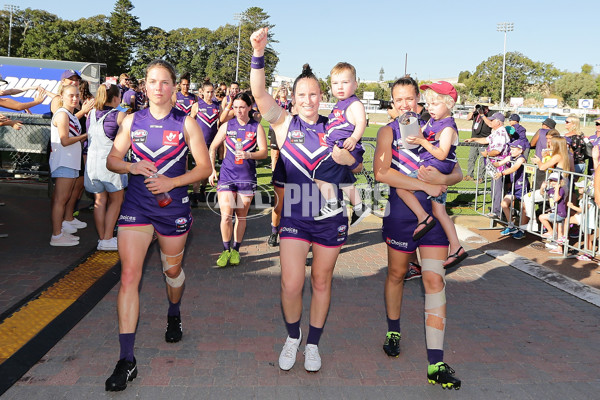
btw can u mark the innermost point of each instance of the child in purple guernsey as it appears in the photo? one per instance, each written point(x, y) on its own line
point(438, 149)
point(515, 171)
point(555, 193)
point(237, 177)
point(346, 125)
point(184, 99)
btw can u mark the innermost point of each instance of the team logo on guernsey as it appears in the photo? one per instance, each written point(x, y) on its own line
point(342, 230)
point(322, 141)
point(170, 138)
point(139, 136)
point(232, 134)
point(297, 137)
point(181, 223)
point(250, 135)
point(339, 115)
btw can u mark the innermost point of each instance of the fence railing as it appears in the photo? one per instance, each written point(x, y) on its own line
point(525, 208)
point(25, 150)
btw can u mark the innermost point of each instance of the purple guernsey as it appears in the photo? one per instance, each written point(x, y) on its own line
point(432, 128)
point(207, 118)
point(230, 171)
point(161, 142)
point(185, 102)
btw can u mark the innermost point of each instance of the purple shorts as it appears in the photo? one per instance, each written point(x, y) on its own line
point(400, 224)
point(332, 172)
point(164, 225)
point(324, 233)
point(279, 174)
point(244, 188)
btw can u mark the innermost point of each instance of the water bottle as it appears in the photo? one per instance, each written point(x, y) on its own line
point(239, 147)
point(163, 199)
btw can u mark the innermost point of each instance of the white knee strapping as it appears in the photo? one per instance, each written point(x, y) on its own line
point(435, 324)
point(432, 265)
point(173, 282)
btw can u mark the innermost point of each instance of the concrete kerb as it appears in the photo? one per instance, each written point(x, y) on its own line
point(566, 284)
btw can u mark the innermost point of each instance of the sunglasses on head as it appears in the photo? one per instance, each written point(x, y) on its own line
point(597, 123)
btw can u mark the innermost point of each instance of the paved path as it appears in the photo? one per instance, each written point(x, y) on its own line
point(509, 335)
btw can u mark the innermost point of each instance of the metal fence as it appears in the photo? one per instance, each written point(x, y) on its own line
point(524, 212)
point(24, 151)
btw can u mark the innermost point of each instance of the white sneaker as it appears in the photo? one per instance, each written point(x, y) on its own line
point(72, 237)
point(77, 223)
point(63, 240)
point(287, 357)
point(68, 228)
point(329, 210)
point(108, 244)
point(312, 359)
point(532, 227)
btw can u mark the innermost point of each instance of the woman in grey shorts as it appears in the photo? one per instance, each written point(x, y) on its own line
point(108, 187)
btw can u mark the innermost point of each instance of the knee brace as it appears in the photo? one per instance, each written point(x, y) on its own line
point(435, 324)
point(166, 265)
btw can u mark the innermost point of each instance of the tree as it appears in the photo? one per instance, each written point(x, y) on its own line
point(463, 76)
point(381, 73)
point(152, 45)
point(93, 37)
point(253, 19)
point(51, 39)
point(522, 74)
point(370, 87)
point(572, 87)
point(125, 31)
point(586, 69)
point(119, 41)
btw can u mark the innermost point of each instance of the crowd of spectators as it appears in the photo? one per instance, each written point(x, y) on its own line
point(552, 198)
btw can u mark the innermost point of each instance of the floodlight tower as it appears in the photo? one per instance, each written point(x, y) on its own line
point(238, 17)
point(11, 9)
point(504, 27)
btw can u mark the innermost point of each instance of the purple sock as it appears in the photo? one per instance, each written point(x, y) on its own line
point(293, 329)
point(435, 356)
point(236, 246)
point(314, 335)
point(126, 341)
point(226, 245)
point(274, 229)
point(173, 308)
point(393, 325)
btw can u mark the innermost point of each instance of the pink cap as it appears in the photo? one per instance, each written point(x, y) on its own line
point(442, 87)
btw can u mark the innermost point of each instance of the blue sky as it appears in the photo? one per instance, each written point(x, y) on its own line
point(441, 39)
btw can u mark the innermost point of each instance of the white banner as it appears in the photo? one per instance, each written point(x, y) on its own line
point(550, 103)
